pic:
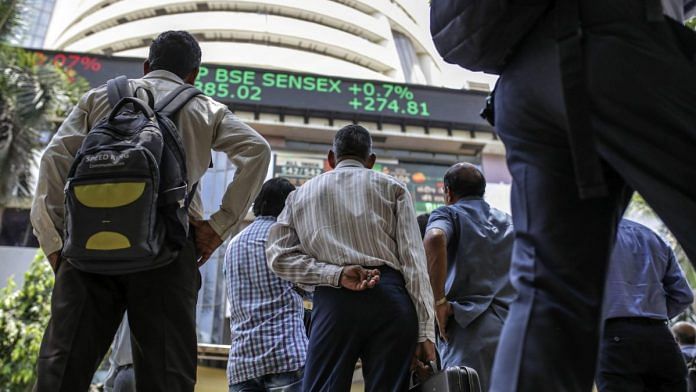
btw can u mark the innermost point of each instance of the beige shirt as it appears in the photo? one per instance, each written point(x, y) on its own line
point(204, 124)
point(352, 216)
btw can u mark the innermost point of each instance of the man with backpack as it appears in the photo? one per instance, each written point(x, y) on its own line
point(111, 212)
point(594, 101)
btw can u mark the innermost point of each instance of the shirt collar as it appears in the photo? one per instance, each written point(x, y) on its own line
point(349, 163)
point(265, 218)
point(469, 198)
point(163, 74)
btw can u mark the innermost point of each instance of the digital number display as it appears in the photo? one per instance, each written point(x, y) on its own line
point(354, 96)
point(71, 61)
point(303, 94)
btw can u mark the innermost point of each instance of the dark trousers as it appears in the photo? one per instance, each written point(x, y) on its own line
point(378, 325)
point(86, 310)
point(642, 87)
point(640, 355)
point(475, 344)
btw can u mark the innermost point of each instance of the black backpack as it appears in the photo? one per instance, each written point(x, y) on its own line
point(126, 196)
point(480, 34)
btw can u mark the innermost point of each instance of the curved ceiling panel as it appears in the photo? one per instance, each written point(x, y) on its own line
point(324, 13)
point(244, 27)
point(287, 59)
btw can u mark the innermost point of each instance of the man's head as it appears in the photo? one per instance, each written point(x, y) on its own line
point(684, 333)
point(423, 223)
point(271, 198)
point(352, 142)
point(463, 180)
point(177, 52)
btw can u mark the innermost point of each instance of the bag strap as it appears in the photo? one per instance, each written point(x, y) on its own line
point(148, 93)
point(589, 175)
point(191, 195)
point(587, 165)
point(118, 88)
point(138, 106)
point(168, 107)
point(170, 104)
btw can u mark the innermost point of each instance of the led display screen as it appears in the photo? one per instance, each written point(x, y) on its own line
point(308, 94)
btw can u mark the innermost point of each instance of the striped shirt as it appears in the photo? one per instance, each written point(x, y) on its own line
point(266, 321)
point(352, 215)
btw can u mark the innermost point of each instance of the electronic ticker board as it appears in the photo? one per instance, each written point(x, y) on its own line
point(266, 90)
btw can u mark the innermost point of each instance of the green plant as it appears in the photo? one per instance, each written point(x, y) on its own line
point(691, 23)
point(24, 314)
point(32, 97)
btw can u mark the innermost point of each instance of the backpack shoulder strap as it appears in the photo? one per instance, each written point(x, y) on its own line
point(118, 88)
point(168, 107)
point(175, 100)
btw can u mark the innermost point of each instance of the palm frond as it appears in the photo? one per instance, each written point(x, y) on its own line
point(30, 97)
point(10, 11)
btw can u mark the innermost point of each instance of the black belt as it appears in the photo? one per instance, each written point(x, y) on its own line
point(636, 320)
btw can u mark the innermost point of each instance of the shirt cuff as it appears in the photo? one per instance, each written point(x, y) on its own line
point(50, 241)
point(426, 331)
point(220, 222)
point(331, 275)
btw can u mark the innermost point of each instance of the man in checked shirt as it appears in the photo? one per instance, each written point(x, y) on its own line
point(269, 340)
point(353, 233)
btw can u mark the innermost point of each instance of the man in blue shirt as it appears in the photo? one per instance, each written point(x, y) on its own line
point(269, 341)
point(645, 287)
point(468, 245)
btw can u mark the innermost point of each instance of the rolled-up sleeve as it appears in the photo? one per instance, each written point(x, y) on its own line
point(413, 265)
point(251, 155)
point(287, 259)
point(47, 211)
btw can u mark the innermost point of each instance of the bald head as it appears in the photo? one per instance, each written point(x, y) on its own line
point(464, 180)
point(684, 333)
